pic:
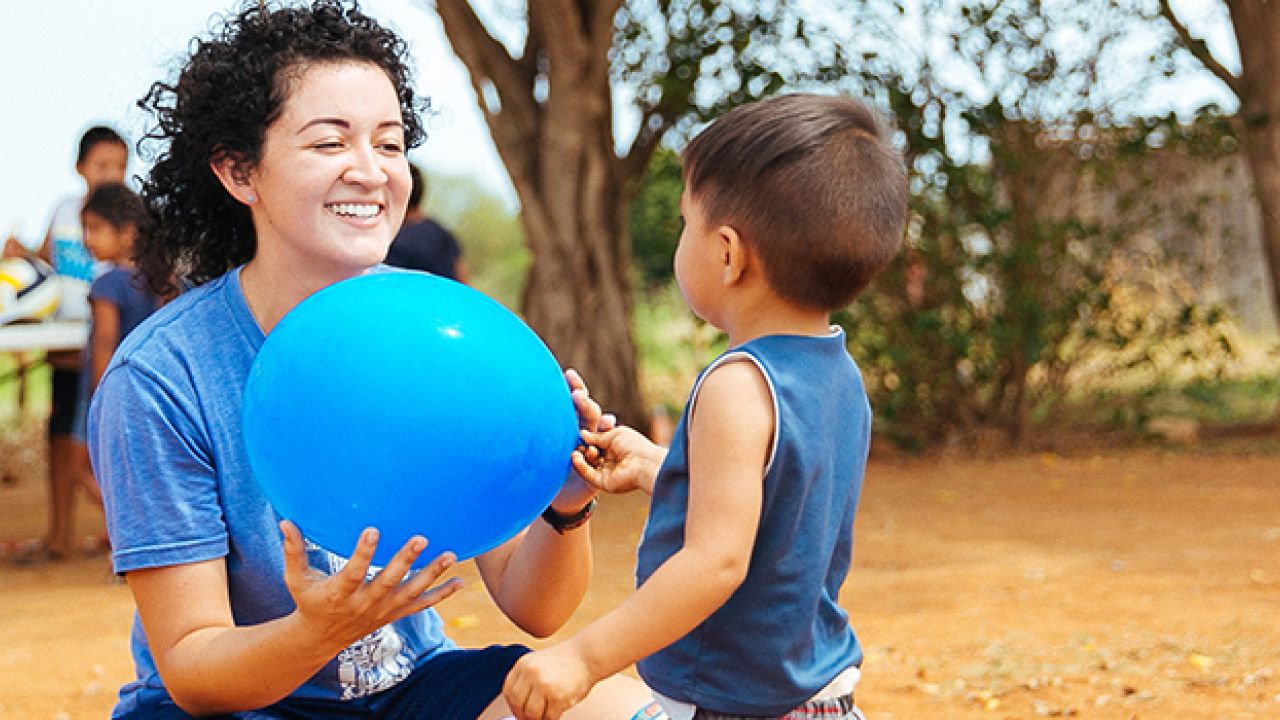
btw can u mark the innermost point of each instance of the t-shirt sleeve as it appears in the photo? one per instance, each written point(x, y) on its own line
point(159, 487)
point(112, 287)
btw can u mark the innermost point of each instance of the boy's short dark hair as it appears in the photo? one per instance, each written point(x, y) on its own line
point(812, 184)
point(117, 204)
point(95, 136)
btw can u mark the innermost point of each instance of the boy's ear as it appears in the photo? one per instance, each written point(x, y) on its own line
point(735, 256)
point(234, 176)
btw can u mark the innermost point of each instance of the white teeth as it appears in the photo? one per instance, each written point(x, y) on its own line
point(360, 210)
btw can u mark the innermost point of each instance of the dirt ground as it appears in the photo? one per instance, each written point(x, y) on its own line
point(1129, 584)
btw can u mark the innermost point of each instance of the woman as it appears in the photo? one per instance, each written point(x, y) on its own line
point(282, 171)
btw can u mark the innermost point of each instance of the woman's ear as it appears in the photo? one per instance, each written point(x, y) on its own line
point(234, 176)
point(734, 255)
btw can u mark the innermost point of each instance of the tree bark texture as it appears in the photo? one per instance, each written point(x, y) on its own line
point(1257, 30)
point(551, 116)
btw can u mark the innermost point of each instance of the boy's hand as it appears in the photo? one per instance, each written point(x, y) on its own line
point(344, 607)
point(544, 684)
point(630, 461)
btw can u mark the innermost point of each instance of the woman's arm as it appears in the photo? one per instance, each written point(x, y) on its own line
point(729, 439)
point(211, 665)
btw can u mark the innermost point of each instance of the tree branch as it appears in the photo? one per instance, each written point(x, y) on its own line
point(642, 147)
point(488, 60)
point(1200, 49)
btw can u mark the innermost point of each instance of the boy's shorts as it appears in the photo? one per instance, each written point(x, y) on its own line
point(840, 708)
point(453, 685)
point(66, 390)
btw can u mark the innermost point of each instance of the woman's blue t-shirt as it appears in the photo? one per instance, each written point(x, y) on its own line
point(164, 435)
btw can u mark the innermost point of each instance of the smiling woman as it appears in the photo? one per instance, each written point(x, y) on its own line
point(282, 171)
point(330, 191)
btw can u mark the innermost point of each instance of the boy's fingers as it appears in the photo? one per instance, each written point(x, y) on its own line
point(585, 469)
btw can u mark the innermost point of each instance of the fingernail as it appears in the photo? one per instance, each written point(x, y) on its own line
point(418, 545)
point(371, 535)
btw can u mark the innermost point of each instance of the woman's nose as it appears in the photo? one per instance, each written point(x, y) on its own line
point(366, 168)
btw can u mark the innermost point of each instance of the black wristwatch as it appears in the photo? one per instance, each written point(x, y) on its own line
point(563, 523)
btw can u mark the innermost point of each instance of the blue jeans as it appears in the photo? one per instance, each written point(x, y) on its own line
point(453, 685)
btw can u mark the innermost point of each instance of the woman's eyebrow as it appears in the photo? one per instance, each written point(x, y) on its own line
point(345, 124)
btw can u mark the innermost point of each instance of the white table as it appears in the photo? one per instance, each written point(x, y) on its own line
point(26, 337)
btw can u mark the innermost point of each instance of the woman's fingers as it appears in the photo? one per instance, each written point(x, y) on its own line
point(295, 555)
point(390, 577)
point(575, 380)
point(357, 569)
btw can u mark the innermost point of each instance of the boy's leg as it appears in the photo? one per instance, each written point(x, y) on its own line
point(620, 697)
point(62, 458)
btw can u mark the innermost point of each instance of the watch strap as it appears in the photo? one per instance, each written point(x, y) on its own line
point(563, 523)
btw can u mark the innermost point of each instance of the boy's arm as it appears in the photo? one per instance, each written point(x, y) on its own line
point(729, 438)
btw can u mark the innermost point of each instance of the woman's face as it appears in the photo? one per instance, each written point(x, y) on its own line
point(330, 189)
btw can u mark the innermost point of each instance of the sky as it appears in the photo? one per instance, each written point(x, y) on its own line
point(66, 65)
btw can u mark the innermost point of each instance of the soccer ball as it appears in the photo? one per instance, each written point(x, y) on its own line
point(29, 290)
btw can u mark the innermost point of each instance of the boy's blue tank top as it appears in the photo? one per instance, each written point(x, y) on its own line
point(781, 636)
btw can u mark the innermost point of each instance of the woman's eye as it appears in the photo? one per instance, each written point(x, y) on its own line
point(328, 145)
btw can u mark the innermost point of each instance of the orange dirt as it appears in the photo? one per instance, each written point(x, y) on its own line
point(1132, 584)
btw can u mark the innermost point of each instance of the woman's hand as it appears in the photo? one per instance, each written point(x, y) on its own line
point(344, 607)
point(576, 492)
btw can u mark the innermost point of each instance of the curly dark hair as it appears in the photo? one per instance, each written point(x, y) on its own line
point(231, 88)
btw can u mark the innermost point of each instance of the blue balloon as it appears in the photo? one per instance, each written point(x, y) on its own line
point(409, 403)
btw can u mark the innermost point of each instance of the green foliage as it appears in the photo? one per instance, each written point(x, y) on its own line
point(1021, 282)
point(654, 218)
point(686, 62)
point(673, 345)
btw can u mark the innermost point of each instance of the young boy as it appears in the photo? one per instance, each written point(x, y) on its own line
point(791, 206)
point(101, 158)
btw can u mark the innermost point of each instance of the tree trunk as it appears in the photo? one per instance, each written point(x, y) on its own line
point(551, 115)
point(1257, 28)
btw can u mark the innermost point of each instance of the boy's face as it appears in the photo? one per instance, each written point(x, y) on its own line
point(104, 163)
point(698, 260)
